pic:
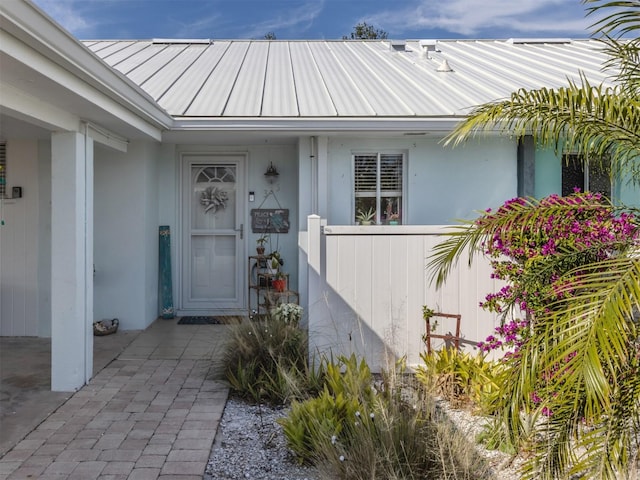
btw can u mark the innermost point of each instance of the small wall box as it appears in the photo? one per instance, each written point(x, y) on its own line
point(16, 192)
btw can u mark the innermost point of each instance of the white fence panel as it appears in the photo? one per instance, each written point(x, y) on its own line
point(374, 284)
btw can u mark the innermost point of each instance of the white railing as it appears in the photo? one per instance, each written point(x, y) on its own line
point(367, 286)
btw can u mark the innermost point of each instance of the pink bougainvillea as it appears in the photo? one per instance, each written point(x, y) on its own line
point(577, 230)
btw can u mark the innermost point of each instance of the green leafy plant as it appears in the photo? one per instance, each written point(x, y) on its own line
point(365, 427)
point(591, 403)
point(288, 313)
point(365, 217)
point(267, 361)
point(262, 239)
point(494, 436)
point(463, 379)
point(275, 260)
point(310, 423)
point(347, 389)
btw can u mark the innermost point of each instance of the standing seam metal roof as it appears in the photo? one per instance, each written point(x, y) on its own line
point(346, 78)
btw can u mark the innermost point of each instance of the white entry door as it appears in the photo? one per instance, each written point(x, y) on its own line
point(213, 231)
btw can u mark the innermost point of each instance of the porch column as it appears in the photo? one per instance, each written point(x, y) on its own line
point(322, 177)
point(71, 260)
point(318, 308)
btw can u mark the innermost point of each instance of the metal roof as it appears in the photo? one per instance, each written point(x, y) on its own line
point(195, 79)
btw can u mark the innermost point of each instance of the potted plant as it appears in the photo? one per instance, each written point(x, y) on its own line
point(394, 219)
point(274, 261)
point(391, 216)
point(366, 217)
point(261, 241)
point(279, 283)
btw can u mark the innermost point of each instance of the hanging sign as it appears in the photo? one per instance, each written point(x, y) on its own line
point(270, 220)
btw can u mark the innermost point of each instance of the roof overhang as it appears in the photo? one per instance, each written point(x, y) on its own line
point(319, 124)
point(50, 67)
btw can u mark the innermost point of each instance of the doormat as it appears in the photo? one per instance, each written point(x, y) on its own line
point(205, 320)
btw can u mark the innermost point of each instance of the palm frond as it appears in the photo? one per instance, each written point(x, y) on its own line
point(507, 224)
point(617, 432)
point(624, 61)
point(624, 19)
point(466, 239)
point(581, 117)
point(593, 339)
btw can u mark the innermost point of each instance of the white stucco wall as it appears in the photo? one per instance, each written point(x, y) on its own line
point(126, 235)
point(443, 183)
point(628, 194)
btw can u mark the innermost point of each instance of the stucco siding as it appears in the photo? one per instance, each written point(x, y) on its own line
point(442, 184)
point(629, 194)
point(124, 242)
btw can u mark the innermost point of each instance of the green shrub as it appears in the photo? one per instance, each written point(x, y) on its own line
point(463, 379)
point(366, 428)
point(347, 389)
point(390, 439)
point(267, 361)
point(494, 436)
point(314, 422)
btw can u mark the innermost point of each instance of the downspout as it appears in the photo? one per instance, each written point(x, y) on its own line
point(314, 175)
point(88, 295)
point(86, 346)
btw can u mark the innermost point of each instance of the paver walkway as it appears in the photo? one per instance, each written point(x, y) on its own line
point(141, 417)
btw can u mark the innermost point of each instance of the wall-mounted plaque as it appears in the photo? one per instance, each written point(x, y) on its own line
point(270, 220)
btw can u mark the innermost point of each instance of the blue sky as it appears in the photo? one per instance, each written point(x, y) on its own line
point(317, 19)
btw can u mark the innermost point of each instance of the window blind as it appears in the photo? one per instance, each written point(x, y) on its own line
point(366, 174)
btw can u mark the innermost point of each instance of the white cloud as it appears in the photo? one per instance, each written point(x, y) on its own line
point(202, 27)
point(67, 14)
point(301, 17)
point(471, 17)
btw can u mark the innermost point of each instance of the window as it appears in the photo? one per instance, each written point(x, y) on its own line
point(378, 188)
point(594, 177)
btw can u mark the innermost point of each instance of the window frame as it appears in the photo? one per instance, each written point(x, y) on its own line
point(379, 193)
point(586, 174)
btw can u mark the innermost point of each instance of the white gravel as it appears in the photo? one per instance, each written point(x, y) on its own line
point(250, 445)
point(503, 466)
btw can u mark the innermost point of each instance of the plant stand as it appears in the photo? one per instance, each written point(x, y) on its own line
point(262, 295)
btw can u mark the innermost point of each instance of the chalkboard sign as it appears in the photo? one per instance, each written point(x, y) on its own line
point(270, 220)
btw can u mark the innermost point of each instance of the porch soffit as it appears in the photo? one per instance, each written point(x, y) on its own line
point(46, 62)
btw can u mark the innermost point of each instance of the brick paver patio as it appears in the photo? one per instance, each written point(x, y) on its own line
point(138, 418)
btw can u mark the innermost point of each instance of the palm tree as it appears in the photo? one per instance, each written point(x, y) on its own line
point(594, 334)
point(587, 118)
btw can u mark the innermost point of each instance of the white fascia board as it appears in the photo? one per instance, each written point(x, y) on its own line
point(404, 124)
point(33, 110)
point(35, 29)
point(107, 138)
point(16, 103)
point(57, 74)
